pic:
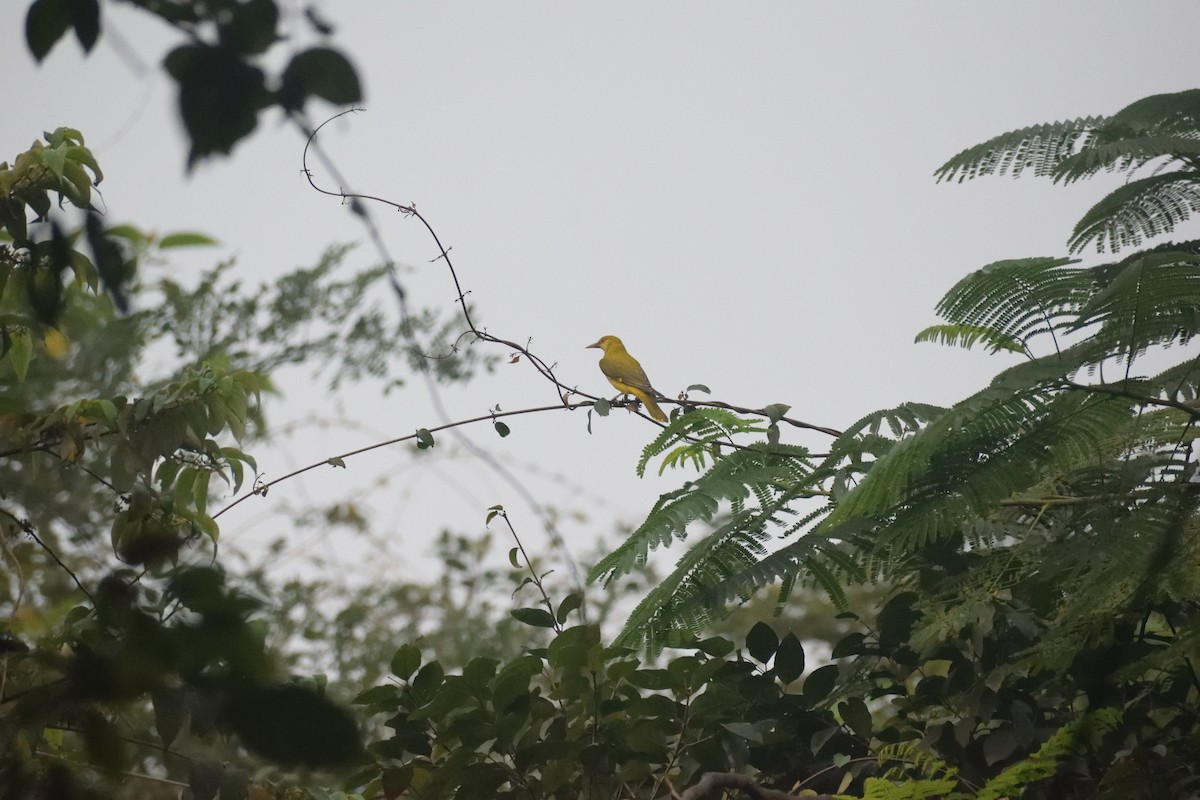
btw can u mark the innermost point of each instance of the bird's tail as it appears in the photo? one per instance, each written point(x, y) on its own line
point(651, 406)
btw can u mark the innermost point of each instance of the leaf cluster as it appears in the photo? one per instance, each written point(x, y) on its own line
point(579, 718)
point(223, 87)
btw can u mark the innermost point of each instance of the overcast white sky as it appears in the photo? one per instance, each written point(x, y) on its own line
point(741, 191)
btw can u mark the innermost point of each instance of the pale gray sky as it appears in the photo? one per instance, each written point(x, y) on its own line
point(742, 192)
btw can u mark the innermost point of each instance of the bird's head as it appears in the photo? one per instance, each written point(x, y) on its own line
point(608, 343)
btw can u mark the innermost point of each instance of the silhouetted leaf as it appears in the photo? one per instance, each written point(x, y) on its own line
point(323, 72)
point(789, 659)
point(405, 661)
point(45, 24)
point(761, 642)
point(820, 683)
point(292, 725)
point(220, 96)
point(170, 712)
point(204, 778)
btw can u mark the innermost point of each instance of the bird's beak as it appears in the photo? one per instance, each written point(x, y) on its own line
point(597, 345)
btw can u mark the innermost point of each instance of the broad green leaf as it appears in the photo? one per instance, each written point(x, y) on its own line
point(820, 683)
point(789, 659)
point(45, 23)
point(405, 661)
point(569, 603)
point(320, 71)
point(536, 617)
point(854, 713)
point(20, 351)
point(761, 642)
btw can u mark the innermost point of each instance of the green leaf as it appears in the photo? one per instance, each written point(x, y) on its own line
point(789, 659)
point(762, 642)
point(320, 71)
point(480, 671)
point(292, 725)
point(849, 645)
point(424, 439)
point(384, 695)
point(744, 730)
point(715, 646)
point(335, 461)
point(45, 24)
point(170, 712)
point(513, 681)
point(698, 387)
point(204, 777)
point(569, 603)
point(20, 352)
point(513, 557)
point(395, 780)
point(536, 617)
point(85, 18)
point(405, 661)
point(250, 27)
point(220, 96)
point(820, 683)
point(776, 411)
point(602, 407)
point(502, 429)
point(855, 714)
point(185, 239)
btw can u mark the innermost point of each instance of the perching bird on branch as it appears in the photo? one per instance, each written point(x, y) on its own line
point(624, 372)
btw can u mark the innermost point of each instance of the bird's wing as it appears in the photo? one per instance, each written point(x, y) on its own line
point(627, 371)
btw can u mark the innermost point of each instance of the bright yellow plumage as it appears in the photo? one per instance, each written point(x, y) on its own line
point(624, 372)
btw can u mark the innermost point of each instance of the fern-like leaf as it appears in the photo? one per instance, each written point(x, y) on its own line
point(1140, 209)
point(696, 437)
point(759, 471)
point(967, 336)
point(1040, 148)
point(1018, 299)
point(1147, 299)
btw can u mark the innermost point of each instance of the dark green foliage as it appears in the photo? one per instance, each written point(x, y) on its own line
point(222, 84)
point(578, 718)
point(1162, 131)
point(1041, 535)
point(48, 20)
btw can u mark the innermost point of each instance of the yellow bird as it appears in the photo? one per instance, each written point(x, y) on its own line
point(624, 372)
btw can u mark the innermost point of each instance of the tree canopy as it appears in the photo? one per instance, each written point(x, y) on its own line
point(1036, 541)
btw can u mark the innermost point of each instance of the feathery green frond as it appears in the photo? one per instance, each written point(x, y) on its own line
point(1173, 113)
point(1180, 383)
point(1140, 209)
point(967, 336)
point(697, 437)
point(1018, 299)
point(1149, 299)
point(1040, 148)
point(1126, 155)
point(665, 615)
point(760, 471)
